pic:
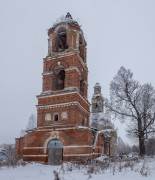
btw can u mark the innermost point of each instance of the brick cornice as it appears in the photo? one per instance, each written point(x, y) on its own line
point(61, 94)
point(63, 105)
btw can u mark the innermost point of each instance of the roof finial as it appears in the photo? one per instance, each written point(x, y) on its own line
point(68, 16)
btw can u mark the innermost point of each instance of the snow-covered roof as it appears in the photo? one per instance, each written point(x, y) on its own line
point(101, 119)
point(23, 133)
point(107, 133)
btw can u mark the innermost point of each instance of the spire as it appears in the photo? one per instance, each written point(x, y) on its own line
point(68, 16)
point(97, 99)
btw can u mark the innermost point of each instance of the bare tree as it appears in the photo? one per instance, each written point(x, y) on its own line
point(133, 103)
point(32, 123)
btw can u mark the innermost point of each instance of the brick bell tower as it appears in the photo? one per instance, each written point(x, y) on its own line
point(62, 132)
point(63, 101)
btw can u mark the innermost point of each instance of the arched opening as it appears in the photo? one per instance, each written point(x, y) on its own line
point(61, 80)
point(96, 106)
point(55, 152)
point(80, 39)
point(81, 46)
point(62, 40)
point(56, 117)
point(58, 80)
point(82, 87)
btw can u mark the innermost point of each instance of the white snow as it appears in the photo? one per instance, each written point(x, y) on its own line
point(23, 133)
point(36, 171)
point(101, 119)
point(63, 19)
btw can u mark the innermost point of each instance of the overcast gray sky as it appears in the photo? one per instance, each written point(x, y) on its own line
point(118, 33)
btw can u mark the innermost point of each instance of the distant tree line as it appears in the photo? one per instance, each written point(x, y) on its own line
point(126, 149)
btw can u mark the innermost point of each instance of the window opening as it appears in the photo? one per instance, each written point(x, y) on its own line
point(61, 80)
point(80, 40)
point(62, 40)
point(82, 87)
point(96, 105)
point(55, 117)
point(81, 47)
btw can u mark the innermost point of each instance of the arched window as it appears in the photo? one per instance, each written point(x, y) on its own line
point(61, 80)
point(56, 117)
point(58, 79)
point(62, 40)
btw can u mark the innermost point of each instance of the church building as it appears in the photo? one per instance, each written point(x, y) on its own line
point(65, 131)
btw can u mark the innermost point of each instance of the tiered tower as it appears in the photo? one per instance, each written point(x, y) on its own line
point(101, 123)
point(63, 110)
point(63, 100)
point(62, 132)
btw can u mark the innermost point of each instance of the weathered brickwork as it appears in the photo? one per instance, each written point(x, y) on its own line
point(63, 110)
point(75, 141)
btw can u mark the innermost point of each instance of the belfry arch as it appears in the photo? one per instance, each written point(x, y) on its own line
point(60, 40)
point(59, 79)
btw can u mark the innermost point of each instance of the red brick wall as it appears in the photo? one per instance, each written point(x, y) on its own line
point(34, 144)
point(78, 143)
point(72, 78)
point(19, 145)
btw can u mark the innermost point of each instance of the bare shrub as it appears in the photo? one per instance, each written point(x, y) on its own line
point(113, 170)
point(56, 175)
point(128, 164)
point(120, 166)
point(90, 176)
point(90, 169)
point(144, 169)
point(98, 165)
point(69, 166)
point(12, 160)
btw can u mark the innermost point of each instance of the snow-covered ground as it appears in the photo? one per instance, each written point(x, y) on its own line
point(35, 171)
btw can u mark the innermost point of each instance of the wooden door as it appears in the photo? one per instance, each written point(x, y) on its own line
point(55, 152)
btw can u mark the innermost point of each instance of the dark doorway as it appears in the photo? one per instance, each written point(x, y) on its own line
point(55, 152)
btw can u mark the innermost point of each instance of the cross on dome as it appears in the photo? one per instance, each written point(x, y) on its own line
point(68, 15)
